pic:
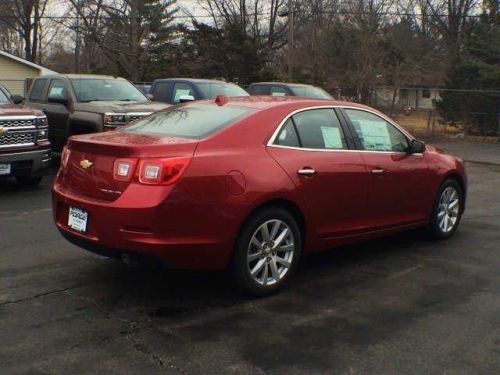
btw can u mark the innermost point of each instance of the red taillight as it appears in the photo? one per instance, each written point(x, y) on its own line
point(162, 171)
point(123, 169)
point(65, 157)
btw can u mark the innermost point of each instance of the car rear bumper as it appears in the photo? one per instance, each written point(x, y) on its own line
point(153, 231)
point(27, 163)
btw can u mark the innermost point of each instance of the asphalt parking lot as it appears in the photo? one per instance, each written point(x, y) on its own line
point(400, 304)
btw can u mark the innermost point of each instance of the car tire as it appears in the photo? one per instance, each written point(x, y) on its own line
point(273, 258)
point(447, 210)
point(28, 181)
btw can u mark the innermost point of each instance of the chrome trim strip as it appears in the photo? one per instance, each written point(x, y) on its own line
point(20, 117)
point(17, 145)
point(14, 128)
point(26, 152)
point(270, 143)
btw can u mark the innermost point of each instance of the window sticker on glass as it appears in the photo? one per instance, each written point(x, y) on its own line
point(278, 94)
point(181, 92)
point(331, 137)
point(57, 91)
point(375, 135)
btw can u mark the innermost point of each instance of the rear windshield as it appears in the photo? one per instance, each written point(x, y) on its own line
point(189, 121)
point(212, 89)
point(92, 90)
point(311, 92)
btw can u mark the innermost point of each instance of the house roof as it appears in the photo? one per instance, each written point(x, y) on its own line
point(42, 69)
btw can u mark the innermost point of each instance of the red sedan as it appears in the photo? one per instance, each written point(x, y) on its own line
point(252, 183)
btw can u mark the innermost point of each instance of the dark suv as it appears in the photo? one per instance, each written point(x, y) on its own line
point(79, 104)
point(24, 148)
point(178, 90)
point(288, 89)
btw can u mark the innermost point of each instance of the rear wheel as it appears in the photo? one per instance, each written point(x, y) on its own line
point(447, 210)
point(28, 181)
point(267, 251)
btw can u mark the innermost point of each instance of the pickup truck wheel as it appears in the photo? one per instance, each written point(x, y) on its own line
point(28, 181)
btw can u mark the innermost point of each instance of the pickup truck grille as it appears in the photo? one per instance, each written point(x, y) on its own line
point(18, 123)
point(17, 139)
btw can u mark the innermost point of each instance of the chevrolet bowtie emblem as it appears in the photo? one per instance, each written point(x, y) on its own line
point(2, 131)
point(86, 164)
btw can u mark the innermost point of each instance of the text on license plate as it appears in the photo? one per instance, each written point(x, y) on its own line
point(77, 219)
point(4, 169)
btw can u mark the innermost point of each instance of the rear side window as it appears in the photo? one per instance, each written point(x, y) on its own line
point(193, 121)
point(160, 92)
point(288, 135)
point(37, 90)
point(320, 129)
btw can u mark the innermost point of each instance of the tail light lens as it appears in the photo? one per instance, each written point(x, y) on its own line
point(123, 169)
point(65, 157)
point(162, 171)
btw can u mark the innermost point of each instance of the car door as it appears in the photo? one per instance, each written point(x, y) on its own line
point(399, 185)
point(313, 149)
point(56, 109)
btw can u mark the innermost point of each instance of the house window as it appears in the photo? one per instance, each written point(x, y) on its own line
point(403, 94)
point(426, 93)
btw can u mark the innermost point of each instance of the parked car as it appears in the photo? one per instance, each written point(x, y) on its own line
point(288, 89)
point(24, 146)
point(79, 104)
point(144, 87)
point(177, 90)
point(253, 184)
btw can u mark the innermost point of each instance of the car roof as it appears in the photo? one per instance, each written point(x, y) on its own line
point(267, 102)
point(197, 80)
point(80, 76)
point(282, 83)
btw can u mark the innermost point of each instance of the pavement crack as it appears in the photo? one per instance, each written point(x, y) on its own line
point(142, 348)
point(50, 292)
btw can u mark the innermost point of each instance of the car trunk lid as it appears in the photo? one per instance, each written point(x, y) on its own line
point(89, 170)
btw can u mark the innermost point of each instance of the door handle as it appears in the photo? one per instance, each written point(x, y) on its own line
point(306, 171)
point(378, 171)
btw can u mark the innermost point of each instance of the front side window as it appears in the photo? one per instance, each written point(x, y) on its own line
point(91, 90)
point(260, 90)
point(57, 89)
point(181, 89)
point(375, 133)
point(212, 89)
point(194, 121)
point(37, 90)
point(319, 129)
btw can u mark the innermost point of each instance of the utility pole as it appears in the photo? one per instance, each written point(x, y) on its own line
point(290, 39)
point(77, 42)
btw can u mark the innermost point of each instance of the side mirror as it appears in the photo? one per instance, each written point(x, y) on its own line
point(186, 98)
point(150, 97)
point(17, 99)
point(58, 100)
point(416, 147)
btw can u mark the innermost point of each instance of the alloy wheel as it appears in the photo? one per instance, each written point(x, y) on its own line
point(270, 252)
point(448, 209)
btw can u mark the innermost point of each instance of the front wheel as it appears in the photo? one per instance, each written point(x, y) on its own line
point(447, 210)
point(267, 251)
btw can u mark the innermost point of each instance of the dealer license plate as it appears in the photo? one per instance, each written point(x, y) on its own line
point(77, 219)
point(4, 169)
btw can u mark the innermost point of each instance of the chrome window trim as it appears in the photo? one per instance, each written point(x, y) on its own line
point(271, 141)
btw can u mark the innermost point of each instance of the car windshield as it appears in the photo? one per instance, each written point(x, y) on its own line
point(311, 92)
point(212, 89)
point(194, 121)
point(89, 90)
point(4, 99)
